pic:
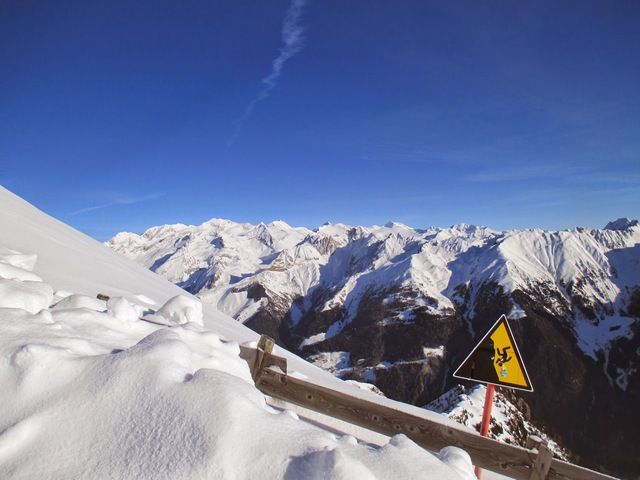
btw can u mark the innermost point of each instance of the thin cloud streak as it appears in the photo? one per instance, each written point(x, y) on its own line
point(120, 201)
point(293, 40)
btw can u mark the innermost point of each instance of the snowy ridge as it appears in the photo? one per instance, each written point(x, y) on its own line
point(221, 261)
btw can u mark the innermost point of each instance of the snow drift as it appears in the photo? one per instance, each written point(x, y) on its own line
point(92, 392)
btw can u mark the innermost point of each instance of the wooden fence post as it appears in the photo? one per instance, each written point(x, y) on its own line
point(542, 464)
point(265, 347)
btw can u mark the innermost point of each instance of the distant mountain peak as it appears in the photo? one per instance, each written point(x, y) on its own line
point(392, 224)
point(621, 224)
point(279, 224)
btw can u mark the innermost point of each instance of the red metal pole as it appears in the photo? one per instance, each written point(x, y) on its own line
point(486, 419)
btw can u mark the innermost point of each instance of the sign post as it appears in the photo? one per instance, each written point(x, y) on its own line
point(495, 361)
point(486, 412)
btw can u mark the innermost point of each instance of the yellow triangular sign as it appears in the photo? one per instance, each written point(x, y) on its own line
point(496, 360)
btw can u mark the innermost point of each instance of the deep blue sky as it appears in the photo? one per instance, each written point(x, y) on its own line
point(121, 115)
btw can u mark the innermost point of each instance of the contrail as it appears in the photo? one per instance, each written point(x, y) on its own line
point(121, 201)
point(293, 41)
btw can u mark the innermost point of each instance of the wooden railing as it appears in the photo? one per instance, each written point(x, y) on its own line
point(536, 462)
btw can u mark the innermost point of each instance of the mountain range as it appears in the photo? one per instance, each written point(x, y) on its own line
point(400, 308)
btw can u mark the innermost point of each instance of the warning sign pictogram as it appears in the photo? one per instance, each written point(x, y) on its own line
point(496, 360)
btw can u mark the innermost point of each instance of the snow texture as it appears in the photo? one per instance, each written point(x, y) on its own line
point(92, 392)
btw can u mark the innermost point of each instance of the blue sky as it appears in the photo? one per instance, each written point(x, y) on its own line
point(122, 115)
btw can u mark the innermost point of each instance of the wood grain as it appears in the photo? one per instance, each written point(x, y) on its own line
point(509, 460)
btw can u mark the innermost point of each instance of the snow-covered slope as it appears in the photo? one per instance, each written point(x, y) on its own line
point(91, 391)
point(400, 307)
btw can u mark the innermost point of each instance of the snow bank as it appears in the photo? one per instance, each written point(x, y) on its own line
point(97, 394)
point(80, 301)
point(459, 460)
point(182, 309)
point(92, 392)
point(120, 309)
point(28, 295)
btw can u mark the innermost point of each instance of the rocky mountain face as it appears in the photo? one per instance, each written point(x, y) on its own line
point(401, 308)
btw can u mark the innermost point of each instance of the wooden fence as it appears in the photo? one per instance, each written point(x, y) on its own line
point(536, 462)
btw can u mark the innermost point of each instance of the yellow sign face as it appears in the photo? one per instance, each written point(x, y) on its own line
point(506, 362)
point(496, 360)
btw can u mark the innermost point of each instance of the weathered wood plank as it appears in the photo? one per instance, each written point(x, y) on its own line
point(515, 462)
point(269, 372)
point(561, 470)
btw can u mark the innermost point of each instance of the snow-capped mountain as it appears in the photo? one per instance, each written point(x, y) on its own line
point(400, 307)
